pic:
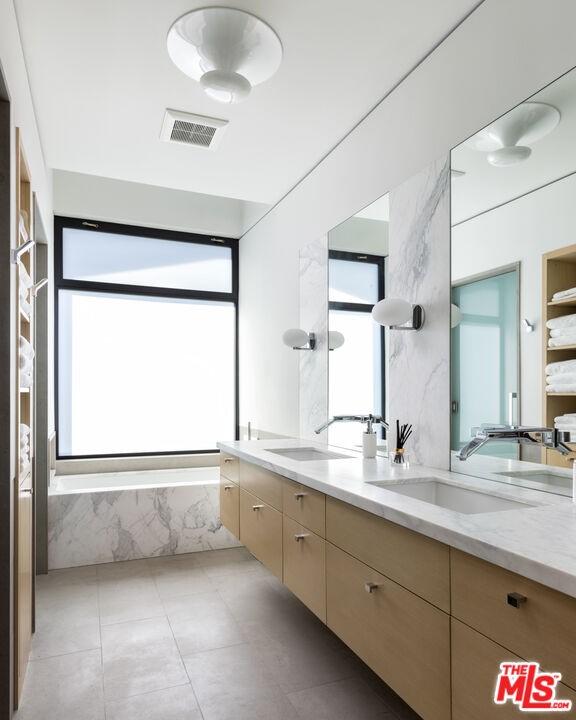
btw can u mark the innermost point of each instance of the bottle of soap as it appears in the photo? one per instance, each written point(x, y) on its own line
point(369, 444)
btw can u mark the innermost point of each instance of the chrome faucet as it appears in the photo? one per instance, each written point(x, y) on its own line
point(547, 437)
point(370, 421)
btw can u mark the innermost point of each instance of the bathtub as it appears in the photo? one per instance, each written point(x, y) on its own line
point(105, 517)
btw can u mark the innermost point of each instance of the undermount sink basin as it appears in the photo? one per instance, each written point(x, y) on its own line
point(304, 454)
point(451, 497)
point(540, 476)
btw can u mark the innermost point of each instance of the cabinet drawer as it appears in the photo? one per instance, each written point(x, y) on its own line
point(261, 531)
point(261, 482)
point(306, 506)
point(475, 666)
point(543, 628)
point(404, 639)
point(230, 506)
point(412, 560)
point(229, 467)
point(305, 566)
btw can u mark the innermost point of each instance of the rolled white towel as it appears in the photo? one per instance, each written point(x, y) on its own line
point(562, 331)
point(562, 294)
point(24, 429)
point(569, 339)
point(561, 379)
point(562, 366)
point(562, 322)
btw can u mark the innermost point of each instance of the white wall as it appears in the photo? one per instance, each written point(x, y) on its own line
point(360, 235)
point(89, 196)
point(501, 54)
point(521, 231)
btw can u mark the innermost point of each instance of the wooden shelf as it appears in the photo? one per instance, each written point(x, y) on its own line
point(553, 394)
point(561, 347)
point(568, 302)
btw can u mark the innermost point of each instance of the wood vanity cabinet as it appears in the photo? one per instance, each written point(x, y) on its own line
point(230, 467)
point(404, 639)
point(540, 624)
point(264, 484)
point(304, 555)
point(475, 665)
point(305, 505)
point(230, 505)
point(261, 531)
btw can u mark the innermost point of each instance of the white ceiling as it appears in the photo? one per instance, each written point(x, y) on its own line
point(485, 186)
point(101, 80)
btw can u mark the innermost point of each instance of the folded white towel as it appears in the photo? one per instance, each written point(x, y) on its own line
point(568, 339)
point(26, 348)
point(562, 294)
point(25, 279)
point(568, 417)
point(562, 366)
point(25, 380)
point(25, 363)
point(562, 322)
point(561, 388)
point(566, 428)
point(562, 331)
point(24, 429)
point(25, 305)
point(561, 379)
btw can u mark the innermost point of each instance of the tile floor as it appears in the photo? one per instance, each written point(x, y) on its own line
point(206, 636)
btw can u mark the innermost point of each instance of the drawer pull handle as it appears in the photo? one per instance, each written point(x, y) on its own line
point(228, 487)
point(301, 536)
point(370, 587)
point(300, 495)
point(227, 460)
point(257, 507)
point(515, 599)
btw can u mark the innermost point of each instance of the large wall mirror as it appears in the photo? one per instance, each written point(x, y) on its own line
point(357, 362)
point(514, 292)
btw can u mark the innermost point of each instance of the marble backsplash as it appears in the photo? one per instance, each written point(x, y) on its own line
point(86, 528)
point(313, 390)
point(419, 271)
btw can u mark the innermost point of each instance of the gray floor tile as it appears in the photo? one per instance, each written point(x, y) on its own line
point(177, 703)
point(344, 700)
point(178, 579)
point(140, 656)
point(67, 687)
point(135, 598)
point(202, 622)
point(233, 684)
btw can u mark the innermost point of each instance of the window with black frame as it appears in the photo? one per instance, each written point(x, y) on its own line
point(357, 368)
point(146, 340)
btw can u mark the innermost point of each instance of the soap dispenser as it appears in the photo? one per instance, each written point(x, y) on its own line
point(369, 443)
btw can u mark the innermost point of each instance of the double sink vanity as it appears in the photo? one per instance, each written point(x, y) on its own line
point(432, 578)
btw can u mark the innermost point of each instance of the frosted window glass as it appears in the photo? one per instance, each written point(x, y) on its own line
point(144, 374)
point(355, 375)
point(131, 260)
point(352, 281)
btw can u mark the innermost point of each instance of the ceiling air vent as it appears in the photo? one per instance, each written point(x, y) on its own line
point(188, 129)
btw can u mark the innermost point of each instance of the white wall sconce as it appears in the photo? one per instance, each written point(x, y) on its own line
point(335, 339)
point(299, 339)
point(395, 313)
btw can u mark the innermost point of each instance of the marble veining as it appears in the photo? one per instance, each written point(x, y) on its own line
point(538, 542)
point(313, 389)
point(419, 271)
point(91, 527)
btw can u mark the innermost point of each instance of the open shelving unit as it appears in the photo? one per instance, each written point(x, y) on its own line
point(558, 273)
point(23, 256)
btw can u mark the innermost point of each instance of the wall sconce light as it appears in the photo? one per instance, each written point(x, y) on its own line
point(395, 313)
point(335, 339)
point(299, 339)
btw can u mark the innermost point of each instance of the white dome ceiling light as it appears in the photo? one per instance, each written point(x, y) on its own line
point(227, 51)
point(507, 139)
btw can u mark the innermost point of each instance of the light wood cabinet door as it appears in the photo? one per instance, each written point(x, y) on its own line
point(24, 588)
point(230, 505)
point(542, 627)
point(475, 666)
point(261, 531)
point(305, 566)
point(230, 467)
point(404, 639)
point(416, 562)
point(305, 505)
point(264, 484)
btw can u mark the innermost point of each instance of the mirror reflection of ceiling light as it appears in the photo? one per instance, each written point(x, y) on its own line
point(507, 140)
point(227, 51)
point(335, 339)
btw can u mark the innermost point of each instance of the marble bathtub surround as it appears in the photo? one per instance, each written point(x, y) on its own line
point(313, 390)
point(102, 527)
point(419, 272)
point(537, 542)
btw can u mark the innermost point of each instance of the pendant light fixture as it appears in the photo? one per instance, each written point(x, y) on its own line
point(227, 51)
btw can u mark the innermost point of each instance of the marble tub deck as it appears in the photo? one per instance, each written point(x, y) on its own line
point(207, 636)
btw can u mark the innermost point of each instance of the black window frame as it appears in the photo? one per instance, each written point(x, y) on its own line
point(62, 223)
point(380, 262)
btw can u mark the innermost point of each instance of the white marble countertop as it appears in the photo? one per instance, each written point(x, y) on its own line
point(538, 542)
